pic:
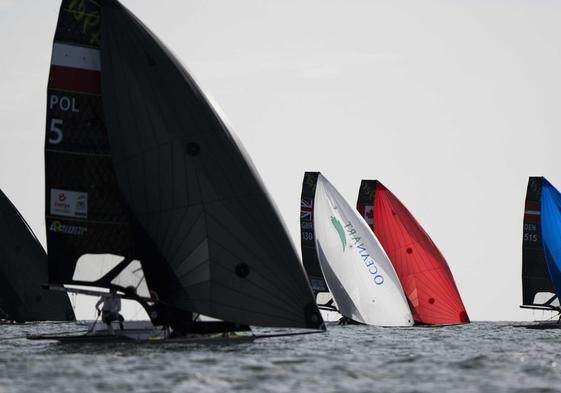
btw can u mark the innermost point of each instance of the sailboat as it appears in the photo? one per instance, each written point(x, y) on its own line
point(23, 269)
point(140, 166)
point(538, 291)
point(342, 256)
point(541, 250)
point(422, 270)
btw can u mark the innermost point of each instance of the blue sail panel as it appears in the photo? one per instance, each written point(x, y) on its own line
point(551, 232)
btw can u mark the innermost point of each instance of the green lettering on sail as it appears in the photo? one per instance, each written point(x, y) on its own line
point(340, 231)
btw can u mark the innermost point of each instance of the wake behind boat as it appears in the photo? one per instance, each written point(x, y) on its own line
point(150, 195)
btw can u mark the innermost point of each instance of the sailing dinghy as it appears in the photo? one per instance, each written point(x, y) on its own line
point(422, 270)
point(140, 166)
point(538, 291)
point(541, 250)
point(346, 259)
point(23, 269)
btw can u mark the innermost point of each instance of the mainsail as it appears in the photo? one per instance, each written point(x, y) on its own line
point(537, 288)
point(23, 270)
point(148, 171)
point(307, 237)
point(357, 271)
point(421, 268)
point(551, 232)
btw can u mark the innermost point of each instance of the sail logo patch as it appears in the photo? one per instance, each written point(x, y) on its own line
point(340, 231)
point(69, 203)
point(306, 209)
point(58, 227)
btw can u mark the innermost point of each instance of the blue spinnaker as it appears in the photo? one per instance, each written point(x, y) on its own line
point(551, 232)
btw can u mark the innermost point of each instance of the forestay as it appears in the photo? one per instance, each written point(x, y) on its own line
point(356, 268)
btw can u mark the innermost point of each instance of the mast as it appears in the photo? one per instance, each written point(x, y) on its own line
point(23, 270)
point(422, 270)
point(537, 288)
point(359, 275)
point(165, 181)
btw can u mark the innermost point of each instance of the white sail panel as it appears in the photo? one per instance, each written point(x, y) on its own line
point(357, 270)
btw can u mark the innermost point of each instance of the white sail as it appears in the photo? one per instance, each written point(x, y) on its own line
point(358, 272)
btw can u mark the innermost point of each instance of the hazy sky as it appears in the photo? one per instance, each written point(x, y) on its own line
point(451, 104)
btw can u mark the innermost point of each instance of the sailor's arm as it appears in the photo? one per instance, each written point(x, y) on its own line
point(99, 303)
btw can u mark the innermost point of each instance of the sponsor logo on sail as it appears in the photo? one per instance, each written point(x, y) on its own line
point(368, 261)
point(69, 203)
point(59, 227)
point(340, 231)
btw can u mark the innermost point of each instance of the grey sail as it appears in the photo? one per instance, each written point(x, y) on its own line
point(200, 208)
point(23, 270)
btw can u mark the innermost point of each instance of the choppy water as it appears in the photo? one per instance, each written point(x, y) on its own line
point(481, 357)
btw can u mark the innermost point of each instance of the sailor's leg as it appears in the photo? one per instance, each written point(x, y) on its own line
point(121, 320)
point(108, 319)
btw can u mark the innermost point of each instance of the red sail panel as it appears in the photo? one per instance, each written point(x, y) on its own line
point(75, 80)
point(424, 274)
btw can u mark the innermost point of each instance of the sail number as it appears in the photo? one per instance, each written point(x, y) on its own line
point(530, 234)
point(56, 131)
point(530, 237)
point(63, 104)
point(307, 236)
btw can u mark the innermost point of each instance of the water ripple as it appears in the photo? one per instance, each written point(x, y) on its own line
point(481, 357)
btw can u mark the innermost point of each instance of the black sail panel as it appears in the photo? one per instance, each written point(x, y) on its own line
point(84, 210)
point(307, 235)
point(365, 201)
point(23, 270)
point(194, 193)
point(535, 275)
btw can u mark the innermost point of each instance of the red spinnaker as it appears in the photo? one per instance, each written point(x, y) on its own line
point(424, 274)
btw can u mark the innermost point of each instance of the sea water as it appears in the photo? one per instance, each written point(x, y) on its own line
point(480, 357)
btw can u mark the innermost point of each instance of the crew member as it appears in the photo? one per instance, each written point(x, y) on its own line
point(110, 310)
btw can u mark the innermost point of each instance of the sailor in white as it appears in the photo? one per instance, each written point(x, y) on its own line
point(110, 310)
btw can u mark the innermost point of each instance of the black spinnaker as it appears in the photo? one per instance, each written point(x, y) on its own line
point(537, 288)
point(151, 173)
point(23, 271)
